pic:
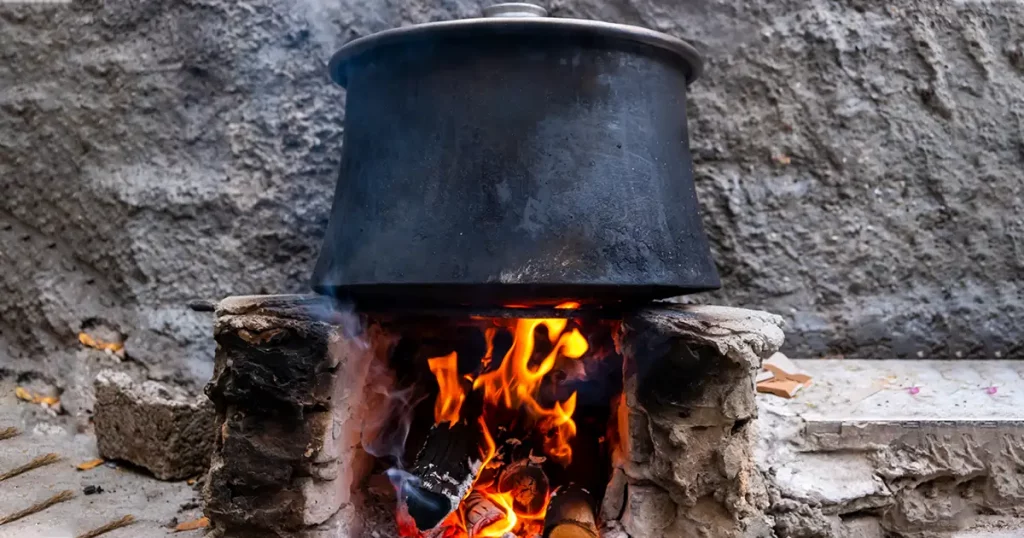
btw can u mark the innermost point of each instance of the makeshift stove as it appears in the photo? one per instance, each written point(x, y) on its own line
point(485, 359)
point(385, 426)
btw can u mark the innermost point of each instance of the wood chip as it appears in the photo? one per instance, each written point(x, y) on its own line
point(89, 341)
point(8, 433)
point(23, 394)
point(784, 368)
point(200, 523)
point(47, 401)
point(91, 464)
point(783, 388)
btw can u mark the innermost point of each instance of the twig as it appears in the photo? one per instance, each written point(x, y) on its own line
point(63, 496)
point(116, 524)
point(7, 433)
point(40, 461)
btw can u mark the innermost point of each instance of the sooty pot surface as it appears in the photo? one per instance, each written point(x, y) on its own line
point(515, 160)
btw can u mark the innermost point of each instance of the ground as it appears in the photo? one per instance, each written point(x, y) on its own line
point(852, 449)
point(156, 505)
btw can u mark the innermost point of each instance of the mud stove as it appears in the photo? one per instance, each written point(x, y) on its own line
point(485, 357)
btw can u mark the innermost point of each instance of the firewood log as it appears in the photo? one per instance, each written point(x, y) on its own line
point(570, 514)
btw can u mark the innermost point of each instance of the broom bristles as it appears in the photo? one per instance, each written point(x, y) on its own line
point(63, 496)
point(113, 525)
point(39, 461)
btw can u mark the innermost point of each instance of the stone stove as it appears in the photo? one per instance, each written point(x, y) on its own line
point(300, 389)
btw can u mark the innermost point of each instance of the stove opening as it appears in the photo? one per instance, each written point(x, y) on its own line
point(495, 427)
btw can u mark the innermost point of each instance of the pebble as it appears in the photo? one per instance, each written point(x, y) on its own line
point(91, 490)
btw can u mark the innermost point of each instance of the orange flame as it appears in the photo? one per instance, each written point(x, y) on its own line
point(514, 384)
point(489, 334)
point(489, 449)
point(561, 429)
point(450, 398)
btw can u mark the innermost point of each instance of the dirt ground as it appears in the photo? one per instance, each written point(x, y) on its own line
point(157, 506)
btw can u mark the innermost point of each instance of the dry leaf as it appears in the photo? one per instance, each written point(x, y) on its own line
point(23, 394)
point(783, 388)
point(91, 464)
point(89, 341)
point(200, 523)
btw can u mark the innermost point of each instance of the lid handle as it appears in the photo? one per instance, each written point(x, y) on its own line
point(514, 10)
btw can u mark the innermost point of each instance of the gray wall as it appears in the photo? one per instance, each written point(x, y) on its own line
point(860, 164)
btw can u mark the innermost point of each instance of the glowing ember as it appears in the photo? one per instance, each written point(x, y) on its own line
point(510, 390)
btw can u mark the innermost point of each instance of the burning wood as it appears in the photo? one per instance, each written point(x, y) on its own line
point(480, 512)
point(526, 482)
point(445, 469)
point(570, 515)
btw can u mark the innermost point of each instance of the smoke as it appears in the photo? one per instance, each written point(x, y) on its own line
point(409, 486)
point(385, 431)
point(373, 414)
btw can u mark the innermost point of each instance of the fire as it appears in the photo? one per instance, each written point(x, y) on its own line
point(562, 429)
point(449, 400)
point(512, 387)
point(514, 384)
point(507, 523)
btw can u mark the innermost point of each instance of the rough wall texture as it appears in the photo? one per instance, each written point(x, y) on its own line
point(859, 164)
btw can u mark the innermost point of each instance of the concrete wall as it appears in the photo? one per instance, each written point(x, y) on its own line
point(860, 164)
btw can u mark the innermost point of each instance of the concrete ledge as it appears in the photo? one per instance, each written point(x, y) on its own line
point(916, 447)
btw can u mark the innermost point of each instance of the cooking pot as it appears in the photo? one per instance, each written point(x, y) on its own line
point(515, 159)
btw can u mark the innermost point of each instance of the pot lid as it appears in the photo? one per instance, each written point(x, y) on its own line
point(516, 18)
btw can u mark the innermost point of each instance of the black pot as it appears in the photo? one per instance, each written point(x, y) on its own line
point(515, 159)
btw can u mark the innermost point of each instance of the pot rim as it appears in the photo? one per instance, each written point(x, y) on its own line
point(520, 25)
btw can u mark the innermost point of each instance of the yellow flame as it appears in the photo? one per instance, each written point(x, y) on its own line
point(507, 523)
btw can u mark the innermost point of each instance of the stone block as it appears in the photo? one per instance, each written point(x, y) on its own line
point(160, 428)
point(286, 390)
point(687, 405)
